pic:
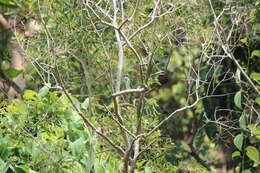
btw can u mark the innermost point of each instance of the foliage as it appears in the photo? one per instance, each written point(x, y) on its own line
point(43, 133)
point(193, 67)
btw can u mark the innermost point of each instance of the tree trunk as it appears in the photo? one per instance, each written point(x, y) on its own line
point(11, 26)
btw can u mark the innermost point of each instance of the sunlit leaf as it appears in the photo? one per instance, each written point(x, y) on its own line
point(236, 154)
point(255, 76)
point(256, 53)
point(255, 130)
point(147, 170)
point(257, 100)
point(238, 141)
point(253, 153)
point(244, 40)
point(22, 169)
point(85, 104)
point(43, 91)
point(141, 163)
point(18, 107)
point(30, 95)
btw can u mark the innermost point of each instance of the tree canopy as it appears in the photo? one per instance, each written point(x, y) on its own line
point(129, 86)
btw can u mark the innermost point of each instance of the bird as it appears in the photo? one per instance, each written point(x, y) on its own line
point(127, 82)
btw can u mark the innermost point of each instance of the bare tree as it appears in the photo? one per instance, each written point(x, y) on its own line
point(113, 15)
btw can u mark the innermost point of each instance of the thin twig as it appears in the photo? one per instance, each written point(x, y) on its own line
point(118, 123)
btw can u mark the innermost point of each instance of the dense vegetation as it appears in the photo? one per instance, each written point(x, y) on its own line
point(130, 86)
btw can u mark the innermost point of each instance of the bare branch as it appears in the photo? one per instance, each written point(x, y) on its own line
point(138, 90)
point(119, 72)
point(99, 18)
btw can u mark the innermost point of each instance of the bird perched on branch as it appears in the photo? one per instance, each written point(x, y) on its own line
point(127, 86)
point(127, 82)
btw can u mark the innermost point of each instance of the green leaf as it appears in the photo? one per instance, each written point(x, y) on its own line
point(238, 77)
point(18, 107)
point(242, 121)
point(5, 151)
point(22, 169)
point(12, 73)
point(4, 166)
point(256, 53)
point(34, 151)
point(8, 3)
point(85, 104)
point(236, 154)
point(257, 100)
point(256, 131)
point(44, 91)
point(253, 153)
point(238, 141)
point(247, 171)
point(5, 65)
point(211, 130)
point(237, 99)
point(198, 139)
point(141, 163)
point(147, 170)
point(256, 27)
point(77, 147)
point(255, 76)
point(250, 126)
point(244, 40)
point(30, 95)
point(76, 102)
